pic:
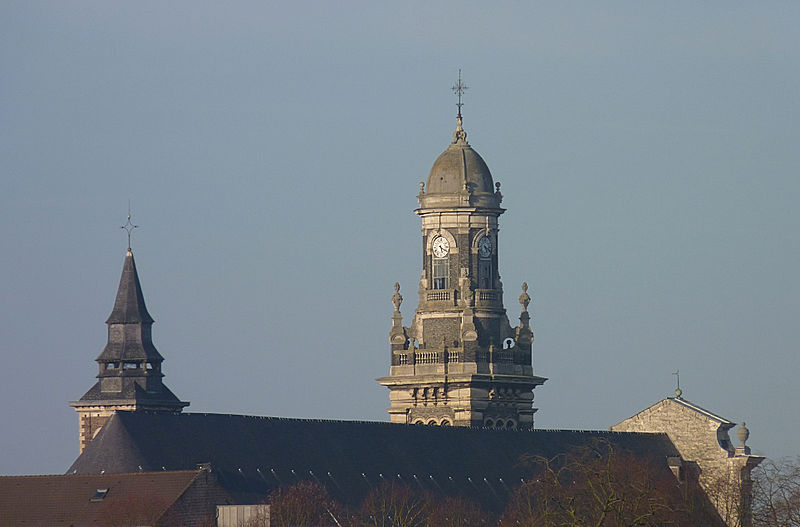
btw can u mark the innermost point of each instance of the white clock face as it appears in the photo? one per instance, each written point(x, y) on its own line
point(485, 247)
point(441, 247)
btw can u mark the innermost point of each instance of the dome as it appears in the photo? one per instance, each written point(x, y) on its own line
point(457, 165)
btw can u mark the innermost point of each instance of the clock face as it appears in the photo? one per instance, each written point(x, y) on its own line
point(441, 247)
point(485, 247)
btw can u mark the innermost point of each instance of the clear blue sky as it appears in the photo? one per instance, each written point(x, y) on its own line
point(648, 153)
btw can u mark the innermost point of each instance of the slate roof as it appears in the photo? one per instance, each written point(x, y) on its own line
point(133, 342)
point(67, 499)
point(251, 456)
point(133, 393)
point(129, 305)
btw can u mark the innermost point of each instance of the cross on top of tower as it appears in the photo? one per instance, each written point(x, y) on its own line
point(129, 226)
point(459, 88)
point(459, 136)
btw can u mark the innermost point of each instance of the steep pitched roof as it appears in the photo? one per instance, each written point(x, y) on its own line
point(78, 500)
point(132, 393)
point(129, 305)
point(131, 342)
point(251, 456)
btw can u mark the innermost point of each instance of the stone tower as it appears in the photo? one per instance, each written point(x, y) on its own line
point(130, 375)
point(460, 362)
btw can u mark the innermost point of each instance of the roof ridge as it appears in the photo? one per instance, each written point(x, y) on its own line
point(380, 423)
point(700, 409)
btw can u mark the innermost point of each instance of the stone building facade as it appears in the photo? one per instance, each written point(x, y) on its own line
point(460, 362)
point(130, 376)
point(706, 452)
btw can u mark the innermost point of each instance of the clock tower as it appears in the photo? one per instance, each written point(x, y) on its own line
point(461, 362)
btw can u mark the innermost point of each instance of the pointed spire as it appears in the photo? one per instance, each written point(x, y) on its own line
point(129, 305)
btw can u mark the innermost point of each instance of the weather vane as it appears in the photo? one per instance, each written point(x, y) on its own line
point(129, 226)
point(678, 391)
point(459, 89)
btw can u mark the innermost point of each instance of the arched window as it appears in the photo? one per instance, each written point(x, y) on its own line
point(445, 423)
point(489, 423)
point(441, 273)
point(431, 423)
point(510, 425)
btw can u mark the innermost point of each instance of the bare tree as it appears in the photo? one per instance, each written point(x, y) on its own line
point(776, 493)
point(601, 487)
point(305, 504)
point(393, 505)
point(457, 512)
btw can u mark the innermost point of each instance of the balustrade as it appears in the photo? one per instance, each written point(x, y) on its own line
point(438, 295)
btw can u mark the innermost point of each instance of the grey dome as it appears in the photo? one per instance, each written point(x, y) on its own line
point(457, 165)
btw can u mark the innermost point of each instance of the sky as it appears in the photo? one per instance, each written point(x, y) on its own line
point(271, 152)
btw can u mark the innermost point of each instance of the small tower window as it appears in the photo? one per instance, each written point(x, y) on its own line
point(485, 279)
point(441, 273)
point(484, 273)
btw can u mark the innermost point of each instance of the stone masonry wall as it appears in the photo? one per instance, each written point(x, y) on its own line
point(702, 440)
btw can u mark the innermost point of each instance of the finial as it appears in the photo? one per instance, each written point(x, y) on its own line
point(459, 88)
point(678, 391)
point(397, 298)
point(742, 434)
point(524, 298)
point(422, 187)
point(129, 226)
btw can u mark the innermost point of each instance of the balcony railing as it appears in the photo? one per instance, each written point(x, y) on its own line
point(439, 295)
point(428, 357)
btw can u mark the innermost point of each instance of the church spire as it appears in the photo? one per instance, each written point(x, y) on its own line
point(129, 307)
point(129, 376)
